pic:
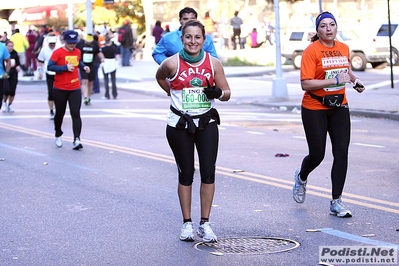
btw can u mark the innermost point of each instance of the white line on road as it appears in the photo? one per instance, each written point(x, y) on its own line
point(368, 145)
point(255, 132)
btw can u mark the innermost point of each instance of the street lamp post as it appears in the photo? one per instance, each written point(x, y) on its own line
point(70, 15)
point(89, 20)
point(279, 89)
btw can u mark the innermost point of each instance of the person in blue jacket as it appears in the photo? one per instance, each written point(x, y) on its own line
point(171, 42)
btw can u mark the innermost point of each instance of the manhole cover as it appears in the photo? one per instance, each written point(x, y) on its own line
point(251, 245)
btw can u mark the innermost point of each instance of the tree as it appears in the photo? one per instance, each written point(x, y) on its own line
point(114, 14)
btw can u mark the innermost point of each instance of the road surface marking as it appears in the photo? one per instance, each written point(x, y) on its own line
point(361, 239)
point(391, 207)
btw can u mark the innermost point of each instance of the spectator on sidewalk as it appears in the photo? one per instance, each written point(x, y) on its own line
point(44, 30)
point(10, 84)
point(4, 38)
point(97, 62)
point(30, 64)
point(43, 59)
point(65, 62)
point(20, 45)
point(4, 69)
point(194, 124)
point(269, 33)
point(253, 39)
point(210, 25)
point(109, 66)
point(125, 37)
point(325, 69)
point(236, 23)
point(157, 31)
point(171, 43)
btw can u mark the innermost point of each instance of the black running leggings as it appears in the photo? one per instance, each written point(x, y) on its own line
point(335, 122)
point(12, 81)
point(50, 82)
point(182, 144)
point(74, 100)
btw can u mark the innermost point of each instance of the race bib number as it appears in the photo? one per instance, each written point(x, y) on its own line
point(72, 60)
point(194, 98)
point(12, 62)
point(87, 58)
point(331, 74)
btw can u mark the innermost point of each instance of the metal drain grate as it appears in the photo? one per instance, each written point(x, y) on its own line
point(249, 245)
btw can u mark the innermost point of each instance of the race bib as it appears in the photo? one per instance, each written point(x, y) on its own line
point(331, 74)
point(87, 58)
point(12, 62)
point(194, 99)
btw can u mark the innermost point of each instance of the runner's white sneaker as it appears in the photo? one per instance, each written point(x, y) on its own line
point(4, 107)
point(299, 189)
point(77, 145)
point(337, 208)
point(187, 232)
point(206, 233)
point(58, 142)
point(10, 109)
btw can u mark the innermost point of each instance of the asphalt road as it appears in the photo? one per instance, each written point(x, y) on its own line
point(115, 202)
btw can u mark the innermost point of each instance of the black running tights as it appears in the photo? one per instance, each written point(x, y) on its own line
point(182, 144)
point(74, 100)
point(335, 122)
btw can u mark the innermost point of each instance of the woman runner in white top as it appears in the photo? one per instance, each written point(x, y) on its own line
point(194, 79)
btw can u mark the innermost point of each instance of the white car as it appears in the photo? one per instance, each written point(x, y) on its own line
point(383, 35)
point(362, 51)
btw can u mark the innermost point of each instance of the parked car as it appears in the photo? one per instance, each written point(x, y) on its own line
point(362, 51)
point(383, 35)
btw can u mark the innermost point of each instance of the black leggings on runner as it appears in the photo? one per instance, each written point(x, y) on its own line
point(74, 100)
point(50, 82)
point(335, 122)
point(12, 85)
point(182, 144)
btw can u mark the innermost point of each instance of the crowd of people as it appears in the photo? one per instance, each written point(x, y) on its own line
point(189, 65)
point(229, 34)
point(69, 61)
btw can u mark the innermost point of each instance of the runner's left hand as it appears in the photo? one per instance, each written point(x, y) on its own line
point(212, 92)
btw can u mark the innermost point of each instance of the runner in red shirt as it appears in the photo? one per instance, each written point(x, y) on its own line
point(65, 62)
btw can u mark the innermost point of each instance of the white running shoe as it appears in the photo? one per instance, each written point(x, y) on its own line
point(205, 232)
point(77, 145)
point(58, 142)
point(187, 232)
point(10, 109)
point(299, 189)
point(4, 107)
point(337, 208)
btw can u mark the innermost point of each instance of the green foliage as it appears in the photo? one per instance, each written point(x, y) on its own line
point(114, 14)
point(236, 61)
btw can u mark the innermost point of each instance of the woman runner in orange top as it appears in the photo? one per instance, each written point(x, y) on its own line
point(325, 69)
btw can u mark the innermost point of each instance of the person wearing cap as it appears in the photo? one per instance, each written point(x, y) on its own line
point(171, 42)
point(43, 59)
point(89, 50)
point(65, 62)
point(325, 69)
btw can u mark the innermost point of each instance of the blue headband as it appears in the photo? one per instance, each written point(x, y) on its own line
point(323, 16)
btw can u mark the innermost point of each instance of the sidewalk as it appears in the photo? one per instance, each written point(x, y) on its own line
point(379, 101)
